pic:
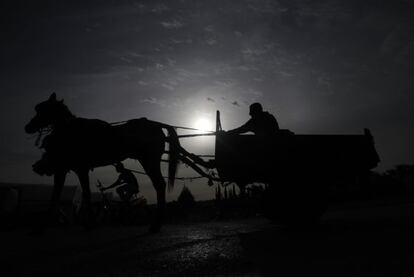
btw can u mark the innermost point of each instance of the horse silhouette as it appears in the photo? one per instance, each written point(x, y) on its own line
point(79, 145)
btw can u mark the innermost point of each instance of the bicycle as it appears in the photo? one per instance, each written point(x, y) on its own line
point(111, 211)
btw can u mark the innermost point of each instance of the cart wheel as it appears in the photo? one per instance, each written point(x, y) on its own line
point(295, 205)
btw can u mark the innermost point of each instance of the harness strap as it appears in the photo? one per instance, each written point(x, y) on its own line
point(178, 178)
point(173, 126)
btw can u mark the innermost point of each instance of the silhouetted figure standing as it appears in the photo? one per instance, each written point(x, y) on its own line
point(127, 183)
point(261, 123)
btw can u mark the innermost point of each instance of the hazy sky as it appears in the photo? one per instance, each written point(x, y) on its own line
point(321, 67)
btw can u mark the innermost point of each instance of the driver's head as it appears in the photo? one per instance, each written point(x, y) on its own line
point(255, 109)
point(119, 167)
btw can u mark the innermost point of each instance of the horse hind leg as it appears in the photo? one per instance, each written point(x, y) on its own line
point(152, 168)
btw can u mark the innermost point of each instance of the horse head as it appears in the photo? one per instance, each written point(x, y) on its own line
point(48, 114)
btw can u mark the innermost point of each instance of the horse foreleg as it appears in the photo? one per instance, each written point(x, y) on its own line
point(59, 181)
point(86, 206)
point(51, 216)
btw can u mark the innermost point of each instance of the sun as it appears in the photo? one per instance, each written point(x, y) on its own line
point(203, 124)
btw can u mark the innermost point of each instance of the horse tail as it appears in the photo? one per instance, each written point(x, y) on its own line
point(173, 155)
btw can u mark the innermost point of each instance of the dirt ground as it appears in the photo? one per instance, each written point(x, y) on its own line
point(359, 241)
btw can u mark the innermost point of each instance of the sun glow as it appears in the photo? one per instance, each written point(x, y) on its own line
point(203, 124)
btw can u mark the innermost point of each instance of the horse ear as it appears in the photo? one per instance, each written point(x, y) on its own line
point(52, 97)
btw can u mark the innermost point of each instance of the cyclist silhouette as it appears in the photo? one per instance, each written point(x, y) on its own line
point(127, 184)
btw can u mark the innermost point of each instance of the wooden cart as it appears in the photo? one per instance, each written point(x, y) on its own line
point(299, 169)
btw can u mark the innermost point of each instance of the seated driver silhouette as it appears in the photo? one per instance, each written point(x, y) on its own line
point(261, 123)
point(127, 184)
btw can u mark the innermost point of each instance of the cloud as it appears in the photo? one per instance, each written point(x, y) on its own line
point(254, 92)
point(168, 86)
point(174, 24)
point(160, 8)
point(225, 84)
point(209, 29)
point(253, 52)
point(324, 81)
point(286, 74)
point(154, 101)
point(211, 41)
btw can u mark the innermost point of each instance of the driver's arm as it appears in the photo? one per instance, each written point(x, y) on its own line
point(242, 129)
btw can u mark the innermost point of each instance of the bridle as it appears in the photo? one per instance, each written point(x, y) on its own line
point(40, 133)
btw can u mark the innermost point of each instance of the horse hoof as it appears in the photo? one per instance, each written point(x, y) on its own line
point(155, 228)
point(36, 231)
point(90, 225)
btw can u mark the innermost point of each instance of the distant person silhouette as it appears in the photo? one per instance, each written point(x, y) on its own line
point(127, 183)
point(261, 123)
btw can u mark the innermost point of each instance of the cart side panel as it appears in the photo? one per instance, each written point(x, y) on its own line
point(249, 158)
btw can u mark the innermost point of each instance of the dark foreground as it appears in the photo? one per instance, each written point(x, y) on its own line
point(364, 241)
